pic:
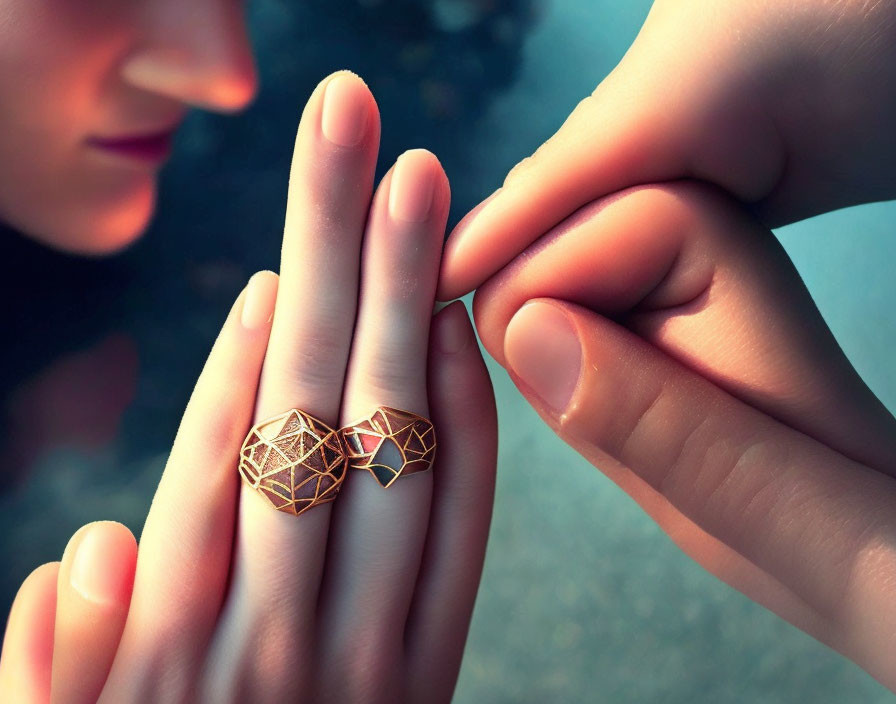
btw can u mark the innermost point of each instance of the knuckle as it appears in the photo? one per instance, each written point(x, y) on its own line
point(219, 434)
point(391, 373)
point(313, 357)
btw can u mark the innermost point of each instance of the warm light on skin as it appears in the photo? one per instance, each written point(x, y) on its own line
point(75, 69)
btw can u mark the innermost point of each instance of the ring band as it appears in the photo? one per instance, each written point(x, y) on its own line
point(294, 460)
point(389, 444)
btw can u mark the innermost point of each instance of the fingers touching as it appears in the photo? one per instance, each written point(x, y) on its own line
point(344, 329)
point(665, 335)
point(685, 268)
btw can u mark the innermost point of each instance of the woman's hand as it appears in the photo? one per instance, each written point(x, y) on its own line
point(664, 334)
point(367, 598)
point(81, 605)
point(789, 105)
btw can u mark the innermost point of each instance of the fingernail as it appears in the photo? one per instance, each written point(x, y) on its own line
point(258, 305)
point(412, 186)
point(346, 110)
point(453, 331)
point(542, 347)
point(92, 575)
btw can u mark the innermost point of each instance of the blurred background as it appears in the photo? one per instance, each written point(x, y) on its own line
point(583, 599)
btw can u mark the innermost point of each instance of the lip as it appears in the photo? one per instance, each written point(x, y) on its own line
point(148, 147)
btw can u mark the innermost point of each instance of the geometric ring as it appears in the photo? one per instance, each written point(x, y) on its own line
point(390, 444)
point(294, 460)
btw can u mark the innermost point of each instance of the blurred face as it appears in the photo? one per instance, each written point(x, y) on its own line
point(91, 92)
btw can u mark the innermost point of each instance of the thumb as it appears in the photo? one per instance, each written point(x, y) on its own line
point(819, 523)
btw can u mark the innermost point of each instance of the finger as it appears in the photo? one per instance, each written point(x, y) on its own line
point(655, 248)
point(27, 656)
point(709, 552)
point(185, 546)
point(622, 135)
point(463, 405)
point(378, 533)
point(816, 521)
point(96, 577)
point(685, 267)
point(330, 187)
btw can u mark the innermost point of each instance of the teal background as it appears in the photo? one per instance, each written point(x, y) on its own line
point(583, 598)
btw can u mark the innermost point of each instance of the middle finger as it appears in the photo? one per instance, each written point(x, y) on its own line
point(264, 641)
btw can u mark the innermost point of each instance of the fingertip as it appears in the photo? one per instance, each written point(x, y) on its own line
point(259, 299)
point(418, 188)
point(32, 604)
point(461, 272)
point(42, 577)
point(490, 319)
point(101, 558)
point(542, 347)
point(451, 329)
point(342, 112)
point(424, 158)
point(453, 275)
point(460, 386)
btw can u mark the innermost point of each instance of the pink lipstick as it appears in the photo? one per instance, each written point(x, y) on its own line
point(148, 148)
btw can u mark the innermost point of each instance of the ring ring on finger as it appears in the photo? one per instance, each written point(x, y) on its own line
point(390, 443)
point(294, 460)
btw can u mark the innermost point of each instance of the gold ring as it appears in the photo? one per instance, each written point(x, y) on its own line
point(389, 444)
point(294, 460)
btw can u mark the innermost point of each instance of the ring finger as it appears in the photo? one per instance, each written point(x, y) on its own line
point(264, 643)
point(377, 534)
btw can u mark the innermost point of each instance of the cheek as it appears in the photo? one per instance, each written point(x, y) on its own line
point(56, 60)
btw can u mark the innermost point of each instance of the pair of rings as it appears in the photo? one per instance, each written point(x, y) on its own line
point(297, 461)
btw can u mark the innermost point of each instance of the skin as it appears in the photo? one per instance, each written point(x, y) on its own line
point(787, 105)
point(660, 329)
point(74, 69)
point(709, 388)
point(367, 598)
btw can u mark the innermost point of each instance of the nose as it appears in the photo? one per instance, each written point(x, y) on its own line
point(197, 52)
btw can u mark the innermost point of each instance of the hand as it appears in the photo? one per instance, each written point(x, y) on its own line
point(665, 335)
point(366, 598)
point(789, 105)
point(83, 610)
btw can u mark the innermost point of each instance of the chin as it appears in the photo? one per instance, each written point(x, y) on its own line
point(105, 228)
point(119, 228)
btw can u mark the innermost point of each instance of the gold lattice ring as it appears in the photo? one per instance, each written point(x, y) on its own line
point(294, 460)
point(390, 443)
